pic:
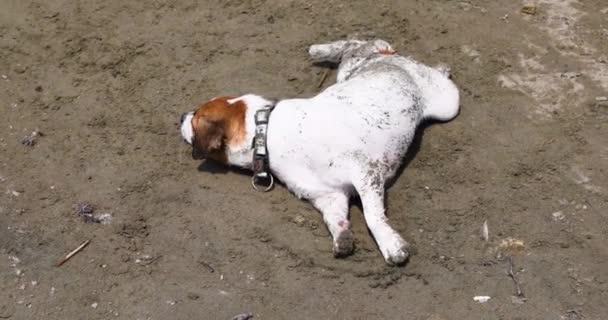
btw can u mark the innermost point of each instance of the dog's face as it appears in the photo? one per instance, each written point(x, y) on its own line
point(216, 125)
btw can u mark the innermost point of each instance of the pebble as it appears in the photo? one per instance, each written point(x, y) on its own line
point(571, 75)
point(529, 9)
point(482, 299)
point(518, 300)
point(94, 305)
point(243, 316)
point(557, 216)
point(299, 220)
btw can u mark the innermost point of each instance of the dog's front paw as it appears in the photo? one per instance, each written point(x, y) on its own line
point(396, 251)
point(344, 244)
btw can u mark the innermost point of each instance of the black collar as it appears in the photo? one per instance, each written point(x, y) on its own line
point(261, 169)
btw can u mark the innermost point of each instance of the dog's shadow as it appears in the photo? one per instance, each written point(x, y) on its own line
point(411, 153)
point(214, 167)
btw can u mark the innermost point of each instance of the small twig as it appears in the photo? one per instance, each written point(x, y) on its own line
point(520, 293)
point(323, 78)
point(208, 266)
point(75, 251)
point(485, 234)
point(576, 312)
point(145, 262)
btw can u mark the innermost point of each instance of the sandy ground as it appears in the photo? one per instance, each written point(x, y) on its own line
point(106, 81)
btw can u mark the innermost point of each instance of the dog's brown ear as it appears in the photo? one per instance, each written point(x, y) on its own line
point(209, 139)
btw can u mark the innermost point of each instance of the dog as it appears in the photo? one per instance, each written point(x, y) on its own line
point(347, 140)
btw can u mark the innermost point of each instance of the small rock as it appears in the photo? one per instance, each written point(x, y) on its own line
point(4, 77)
point(558, 216)
point(94, 305)
point(243, 316)
point(482, 299)
point(299, 220)
point(601, 99)
point(571, 75)
point(529, 9)
point(193, 296)
point(14, 260)
point(103, 218)
point(19, 69)
point(518, 300)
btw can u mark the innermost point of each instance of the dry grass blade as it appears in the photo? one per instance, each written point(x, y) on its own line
point(323, 78)
point(519, 292)
point(75, 251)
point(485, 234)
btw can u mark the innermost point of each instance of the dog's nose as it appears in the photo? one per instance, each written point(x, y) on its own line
point(183, 118)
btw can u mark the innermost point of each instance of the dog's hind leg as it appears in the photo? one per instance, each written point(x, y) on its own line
point(331, 52)
point(391, 244)
point(334, 207)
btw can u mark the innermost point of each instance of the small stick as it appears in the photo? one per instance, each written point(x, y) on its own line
point(576, 312)
point(75, 251)
point(208, 266)
point(325, 74)
point(512, 275)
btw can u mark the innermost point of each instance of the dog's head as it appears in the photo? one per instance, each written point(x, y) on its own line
point(213, 127)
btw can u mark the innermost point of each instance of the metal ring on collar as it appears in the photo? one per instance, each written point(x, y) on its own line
point(256, 186)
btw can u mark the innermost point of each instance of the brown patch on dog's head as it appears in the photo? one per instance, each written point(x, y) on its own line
point(218, 124)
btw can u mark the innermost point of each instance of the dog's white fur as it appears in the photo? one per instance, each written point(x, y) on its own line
point(351, 138)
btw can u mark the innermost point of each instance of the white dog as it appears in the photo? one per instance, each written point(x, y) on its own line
point(348, 140)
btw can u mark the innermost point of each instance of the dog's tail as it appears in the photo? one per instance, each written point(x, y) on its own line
point(442, 97)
